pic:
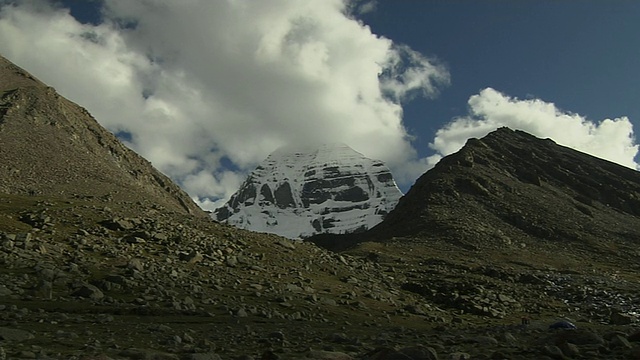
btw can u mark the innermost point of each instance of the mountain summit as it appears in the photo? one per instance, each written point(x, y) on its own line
point(53, 147)
point(297, 193)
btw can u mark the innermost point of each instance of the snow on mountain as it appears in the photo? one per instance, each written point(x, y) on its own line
point(300, 192)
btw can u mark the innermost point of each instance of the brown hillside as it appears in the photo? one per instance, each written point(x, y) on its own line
point(50, 146)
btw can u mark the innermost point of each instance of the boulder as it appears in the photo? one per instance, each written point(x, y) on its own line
point(89, 291)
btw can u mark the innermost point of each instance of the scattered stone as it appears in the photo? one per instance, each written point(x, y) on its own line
point(118, 224)
point(89, 291)
point(134, 353)
point(579, 337)
point(135, 264)
point(634, 336)
point(26, 354)
point(459, 356)
point(232, 261)
point(192, 257)
point(570, 350)
point(4, 291)
point(327, 355)
point(553, 352)
point(619, 342)
point(287, 244)
point(617, 318)
point(44, 290)
point(388, 354)
point(563, 324)
point(203, 356)
point(9, 334)
point(420, 352)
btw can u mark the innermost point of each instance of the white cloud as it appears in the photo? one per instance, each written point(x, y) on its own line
point(612, 140)
point(196, 81)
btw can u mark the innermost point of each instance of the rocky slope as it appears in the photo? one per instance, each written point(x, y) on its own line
point(53, 147)
point(297, 193)
point(516, 225)
point(513, 189)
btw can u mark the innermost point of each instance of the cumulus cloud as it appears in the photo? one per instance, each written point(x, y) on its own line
point(194, 82)
point(609, 139)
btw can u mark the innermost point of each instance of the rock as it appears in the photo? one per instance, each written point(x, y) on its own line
point(89, 291)
point(9, 334)
point(135, 264)
point(388, 354)
point(118, 224)
point(4, 291)
point(635, 336)
point(232, 261)
point(269, 355)
point(47, 274)
point(7, 244)
point(134, 240)
point(286, 244)
point(26, 354)
point(43, 290)
point(459, 356)
point(485, 340)
point(192, 257)
point(328, 355)
point(570, 350)
point(420, 352)
point(203, 356)
point(553, 352)
point(617, 318)
point(277, 336)
point(134, 353)
point(619, 342)
point(579, 337)
point(509, 339)
point(562, 324)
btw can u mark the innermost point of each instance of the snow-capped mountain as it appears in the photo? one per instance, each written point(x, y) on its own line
point(298, 193)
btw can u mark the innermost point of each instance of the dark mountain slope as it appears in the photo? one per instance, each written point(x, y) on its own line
point(513, 189)
point(50, 146)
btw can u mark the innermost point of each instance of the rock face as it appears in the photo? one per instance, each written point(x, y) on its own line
point(301, 192)
point(53, 147)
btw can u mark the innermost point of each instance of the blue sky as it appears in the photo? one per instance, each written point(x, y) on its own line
point(207, 89)
point(581, 55)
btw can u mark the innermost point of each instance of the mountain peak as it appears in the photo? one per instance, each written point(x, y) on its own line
point(305, 190)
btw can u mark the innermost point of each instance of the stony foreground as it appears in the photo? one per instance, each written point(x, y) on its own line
point(80, 281)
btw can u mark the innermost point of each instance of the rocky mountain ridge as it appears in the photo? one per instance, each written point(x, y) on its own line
point(53, 147)
point(299, 192)
point(513, 189)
